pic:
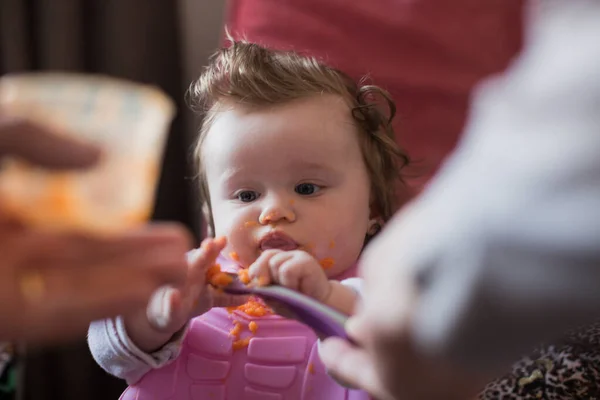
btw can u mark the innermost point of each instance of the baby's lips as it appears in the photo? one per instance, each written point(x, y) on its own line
point(277, 240)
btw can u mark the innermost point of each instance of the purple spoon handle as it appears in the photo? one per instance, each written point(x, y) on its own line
point(323, 319)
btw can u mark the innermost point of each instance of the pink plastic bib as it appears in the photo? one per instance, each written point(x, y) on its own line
point(272, 359)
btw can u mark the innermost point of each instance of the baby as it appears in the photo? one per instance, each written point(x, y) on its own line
point(298, 169)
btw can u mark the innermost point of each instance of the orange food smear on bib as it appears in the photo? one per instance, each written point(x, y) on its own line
point(241, 343)
point(254, 308)
point(236, 330)
point(253, 326)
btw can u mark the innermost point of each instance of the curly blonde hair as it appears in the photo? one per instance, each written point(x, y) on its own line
point(252, 75)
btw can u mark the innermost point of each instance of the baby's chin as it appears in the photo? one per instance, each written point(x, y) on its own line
point(243, 257)
point(338, 270)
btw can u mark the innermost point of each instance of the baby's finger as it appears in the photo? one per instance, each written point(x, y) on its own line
point(290, 275)
point(210, 248)
point(204, 257)
point(259, 270)
point(282, 269)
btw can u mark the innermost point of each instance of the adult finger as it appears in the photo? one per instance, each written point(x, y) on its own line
point(38, 145)
point(351, 366)
point(155, 251)
point(66, 317)
point(82, 289)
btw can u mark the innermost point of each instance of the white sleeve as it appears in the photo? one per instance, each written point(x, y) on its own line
point(114, 351)
point(511, 252)
point(355, 284)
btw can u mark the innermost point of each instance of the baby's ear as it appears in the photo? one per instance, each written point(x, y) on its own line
point(375, 225)
point(375, 219)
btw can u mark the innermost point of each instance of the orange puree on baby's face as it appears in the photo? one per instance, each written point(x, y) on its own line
point(327, 263)
point(234, 256)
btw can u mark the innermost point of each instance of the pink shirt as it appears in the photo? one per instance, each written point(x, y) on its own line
point(428, 53)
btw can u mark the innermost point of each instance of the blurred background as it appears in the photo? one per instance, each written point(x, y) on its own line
point(428, 53)
point(161, 42)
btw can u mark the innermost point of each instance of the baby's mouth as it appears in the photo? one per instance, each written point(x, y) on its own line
point(277, 240)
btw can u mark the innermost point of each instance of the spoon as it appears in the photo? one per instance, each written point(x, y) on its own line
point(323, 319)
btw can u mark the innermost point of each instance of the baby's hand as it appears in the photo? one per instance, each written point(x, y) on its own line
point(295, 269)
point(170, 308)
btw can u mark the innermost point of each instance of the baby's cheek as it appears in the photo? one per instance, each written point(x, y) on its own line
point(333, 267)
point(339, 257)
point(241, 244)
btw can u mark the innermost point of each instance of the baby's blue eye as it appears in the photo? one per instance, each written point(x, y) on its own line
point(306, 189)
point(247, 196)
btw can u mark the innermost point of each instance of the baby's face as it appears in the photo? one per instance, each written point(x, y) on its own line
point(289, 177)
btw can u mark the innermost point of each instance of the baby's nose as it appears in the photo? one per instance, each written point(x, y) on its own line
point(277, 212)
